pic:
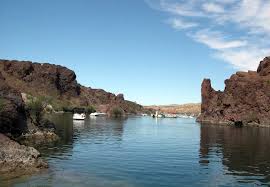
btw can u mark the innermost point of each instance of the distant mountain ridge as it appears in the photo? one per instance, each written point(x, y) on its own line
point(58, 82)
point(189, 108)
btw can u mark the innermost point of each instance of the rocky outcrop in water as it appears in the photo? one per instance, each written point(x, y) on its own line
point(18, 159)
point(244, 101)
point(60, 83)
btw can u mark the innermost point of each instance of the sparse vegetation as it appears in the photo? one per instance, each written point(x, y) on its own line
point(117, 112)
point(62, 106)
point(90, 109)
point(67, 109)
point(36, 108)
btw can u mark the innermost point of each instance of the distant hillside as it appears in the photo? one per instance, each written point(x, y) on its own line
point(191, 108)
point(60, 84)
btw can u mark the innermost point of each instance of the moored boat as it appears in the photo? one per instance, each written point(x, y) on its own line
point(96, 114)
point(77, 116)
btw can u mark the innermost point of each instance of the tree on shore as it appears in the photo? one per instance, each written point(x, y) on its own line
point(117, 112)
point(90, 109)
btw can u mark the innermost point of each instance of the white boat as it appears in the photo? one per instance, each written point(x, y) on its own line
point(160, 116)
point(157, 115)
point(96, 114)
point(171, 116)
point(77, 116)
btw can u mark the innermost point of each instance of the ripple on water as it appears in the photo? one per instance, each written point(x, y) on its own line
point(148, 152)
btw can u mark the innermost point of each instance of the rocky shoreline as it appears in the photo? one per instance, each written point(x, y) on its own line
point(23, 127)
point(16, 129)
point(245, 100)
point(18, 159)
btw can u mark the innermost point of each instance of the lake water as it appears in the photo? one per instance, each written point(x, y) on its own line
point(145, 152)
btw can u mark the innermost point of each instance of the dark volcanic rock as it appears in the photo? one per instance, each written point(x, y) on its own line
point(120, 97)
point(60, 83)
point(12, 112)
point(45, 78)
point(245, 100)
point(18, 159)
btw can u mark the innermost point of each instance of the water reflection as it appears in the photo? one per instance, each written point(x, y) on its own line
point(64, 127)
point(145, 152)
point(99, 130)
point(244, 151)
point(91, 128)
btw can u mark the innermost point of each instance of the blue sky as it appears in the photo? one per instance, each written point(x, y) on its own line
point(153, 51)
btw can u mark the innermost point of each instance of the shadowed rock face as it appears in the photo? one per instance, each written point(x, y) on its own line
point(246, 98)
point(60, 83)
point(12, 112)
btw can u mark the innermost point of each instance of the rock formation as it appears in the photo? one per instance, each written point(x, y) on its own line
point(60, 83)
point(12, 112)
point(14, 123)
point(244, 101)
point(18, 159)
point(25, 78)
point(41, 78)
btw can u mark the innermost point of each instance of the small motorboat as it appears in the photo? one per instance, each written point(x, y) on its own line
point(77, 116)
point(96, 114)
point(157, 115)
point(160, 116)
point(170, 116)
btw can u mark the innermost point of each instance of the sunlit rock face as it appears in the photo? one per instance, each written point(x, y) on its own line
point(60, 83)
point(18, 159)
point(43, 78)
point(245, 99)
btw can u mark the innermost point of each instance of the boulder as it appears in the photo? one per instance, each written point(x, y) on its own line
point(18, 159)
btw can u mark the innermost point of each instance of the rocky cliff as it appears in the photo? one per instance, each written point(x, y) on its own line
point(60, 83)
point(12, 111)
point(56, 82)
point(244, 101)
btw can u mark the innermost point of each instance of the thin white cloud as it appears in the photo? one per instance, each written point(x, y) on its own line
point(216, 40)
point(213, 8)
point(210, 22)
point(225, 1)
point(179, 24)
point(244, 59)
point(180, 8)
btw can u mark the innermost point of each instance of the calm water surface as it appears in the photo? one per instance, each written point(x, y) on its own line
point(144, 152)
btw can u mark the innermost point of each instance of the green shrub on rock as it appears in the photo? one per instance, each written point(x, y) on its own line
point(90, 109)
point(36, 108)
point(117, 112)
